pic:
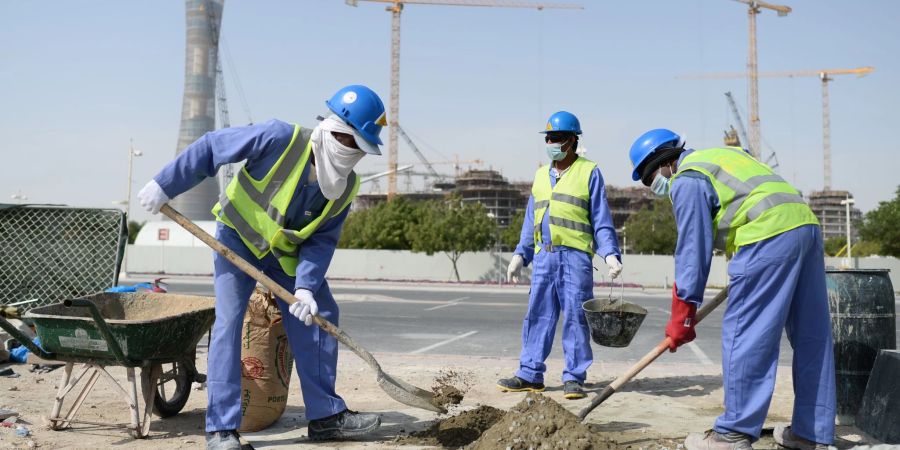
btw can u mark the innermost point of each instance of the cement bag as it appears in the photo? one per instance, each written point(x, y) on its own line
point(266, 363)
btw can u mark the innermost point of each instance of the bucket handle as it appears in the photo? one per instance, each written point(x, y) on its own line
point(103, 328)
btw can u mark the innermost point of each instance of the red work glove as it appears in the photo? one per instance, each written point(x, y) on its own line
point(680, 329)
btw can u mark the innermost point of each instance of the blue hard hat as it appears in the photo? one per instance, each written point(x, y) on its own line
point(360, 107)
point(646, 145)
point(563, 121)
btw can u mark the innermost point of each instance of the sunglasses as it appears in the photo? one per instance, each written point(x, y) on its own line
point(553, 138)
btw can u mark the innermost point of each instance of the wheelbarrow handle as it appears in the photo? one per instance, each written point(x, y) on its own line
point(25, 340)
point(103, 327)
point(651, 356)
point(282, 293)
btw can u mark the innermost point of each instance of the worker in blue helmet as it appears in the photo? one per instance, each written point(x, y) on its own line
point(567, 221)
point(725, 199)
point(283, 212)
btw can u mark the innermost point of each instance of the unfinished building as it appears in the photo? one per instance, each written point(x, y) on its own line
point(826, 205)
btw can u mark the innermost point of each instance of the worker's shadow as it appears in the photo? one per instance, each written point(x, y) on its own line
point(677, 386)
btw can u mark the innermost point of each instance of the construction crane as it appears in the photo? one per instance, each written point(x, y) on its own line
point(825, 76)
point(395, 8)
point(772, 160)
point(754, 8)
point(419, 154)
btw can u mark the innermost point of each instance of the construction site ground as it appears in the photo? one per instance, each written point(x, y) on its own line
point(678, 394)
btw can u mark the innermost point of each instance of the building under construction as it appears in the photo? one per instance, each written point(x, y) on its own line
point(826, 205)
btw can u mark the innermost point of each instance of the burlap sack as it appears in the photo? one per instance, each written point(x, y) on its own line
point(266, 364)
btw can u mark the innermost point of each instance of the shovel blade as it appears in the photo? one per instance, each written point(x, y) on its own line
point(408, 394)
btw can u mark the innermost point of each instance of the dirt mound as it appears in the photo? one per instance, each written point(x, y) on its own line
point(538, 422)
point(456, 431)
point(450, 387)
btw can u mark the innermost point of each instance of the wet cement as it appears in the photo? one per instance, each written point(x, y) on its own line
point(456, 431)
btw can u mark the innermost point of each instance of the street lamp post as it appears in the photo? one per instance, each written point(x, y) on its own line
point(849, 201)
point(496, 248)
point(131, 154)
point(19, 196)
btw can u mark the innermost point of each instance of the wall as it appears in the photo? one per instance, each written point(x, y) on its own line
point(646, 270)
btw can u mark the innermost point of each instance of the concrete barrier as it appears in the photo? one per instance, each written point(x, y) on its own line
point(485, 267)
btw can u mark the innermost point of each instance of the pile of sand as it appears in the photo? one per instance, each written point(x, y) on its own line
point(538, 422)
point(450, 387)
point(456, 431)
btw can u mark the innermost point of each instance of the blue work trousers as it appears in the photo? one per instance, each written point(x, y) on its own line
point(561, 280)
point(778, 284)
point(315, 351)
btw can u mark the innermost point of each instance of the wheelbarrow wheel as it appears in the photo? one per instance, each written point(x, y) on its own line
point(173, 390)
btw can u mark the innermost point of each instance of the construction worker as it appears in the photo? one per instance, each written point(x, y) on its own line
point(283, 213)
point(725, 199)
point(567, 220)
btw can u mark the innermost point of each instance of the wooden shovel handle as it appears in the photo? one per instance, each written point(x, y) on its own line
point(660, 348)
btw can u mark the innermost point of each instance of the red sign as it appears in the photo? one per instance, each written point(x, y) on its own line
point(162, 234)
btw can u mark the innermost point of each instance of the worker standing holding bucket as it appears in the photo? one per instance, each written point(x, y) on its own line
point(567, 220)
point(725, 199)
point(283, 212)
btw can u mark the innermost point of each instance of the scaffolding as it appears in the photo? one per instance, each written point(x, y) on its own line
point(832, 215)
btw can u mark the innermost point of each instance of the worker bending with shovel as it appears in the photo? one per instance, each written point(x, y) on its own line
point(283, 212)
point(567, 220)
point(725, 199)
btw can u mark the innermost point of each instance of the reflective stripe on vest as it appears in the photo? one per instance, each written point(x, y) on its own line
point(256, 208)
point(747, 190)
point(569, 206)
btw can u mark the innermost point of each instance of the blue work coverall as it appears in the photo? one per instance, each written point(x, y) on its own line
point(775, 284)
point(561, 280)
point(315, 351)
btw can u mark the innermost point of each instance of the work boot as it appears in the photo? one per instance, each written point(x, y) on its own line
point(516, 384)
point(786, 438)
point(223, 440)
point(713, 440)
point(345, 424)
point(573, 390)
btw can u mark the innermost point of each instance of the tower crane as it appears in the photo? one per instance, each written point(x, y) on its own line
point(395, 7)
point(419, 154)
point(772, 160)
point(825, 76)
point(754, 8)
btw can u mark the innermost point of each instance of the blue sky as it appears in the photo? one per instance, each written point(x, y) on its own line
point(80, 79)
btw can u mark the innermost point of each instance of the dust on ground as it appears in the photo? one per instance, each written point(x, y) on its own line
point(456, 431)
point(538, 422)
point(450, 387)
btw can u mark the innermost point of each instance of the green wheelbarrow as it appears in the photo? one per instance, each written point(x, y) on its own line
point(134, 330)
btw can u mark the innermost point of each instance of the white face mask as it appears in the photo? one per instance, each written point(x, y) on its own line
point(660, 185)
point(334, 161)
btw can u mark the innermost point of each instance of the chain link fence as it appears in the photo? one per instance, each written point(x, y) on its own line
point(51, 253)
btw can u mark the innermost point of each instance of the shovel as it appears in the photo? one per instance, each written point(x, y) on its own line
point(397, 389)
point(617, 384)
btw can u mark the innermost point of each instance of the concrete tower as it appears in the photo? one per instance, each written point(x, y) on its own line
point(198, 110)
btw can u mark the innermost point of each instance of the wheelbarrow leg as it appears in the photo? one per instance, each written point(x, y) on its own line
point(89, 385)
point(133, 404)
point(149, 380)
point(60, 395)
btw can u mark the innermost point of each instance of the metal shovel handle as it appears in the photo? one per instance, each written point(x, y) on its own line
point(269, 283)
point(660, 348)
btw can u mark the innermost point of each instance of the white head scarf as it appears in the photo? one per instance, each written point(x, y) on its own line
point(334, 160)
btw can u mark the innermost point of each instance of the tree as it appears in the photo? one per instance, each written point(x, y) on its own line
point(882, 226)
point(384, 226)
point(133, 229)
point(453, 227)
point(652, 229)
point(509, 237)
point(834, 244)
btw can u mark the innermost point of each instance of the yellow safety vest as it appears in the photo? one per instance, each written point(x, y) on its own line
point(256, 208)
point(754, 202)
point(570, 206)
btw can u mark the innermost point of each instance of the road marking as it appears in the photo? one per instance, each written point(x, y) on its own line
point(434, 346)
point(700, 354)
point(449, 303)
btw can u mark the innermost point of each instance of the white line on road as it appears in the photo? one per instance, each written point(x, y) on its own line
point(434, 346)
point(449, 303)
point(700, 354)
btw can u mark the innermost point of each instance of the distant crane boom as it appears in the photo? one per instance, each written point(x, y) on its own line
point(737, 116)
point(395, 7)
point(418, 153)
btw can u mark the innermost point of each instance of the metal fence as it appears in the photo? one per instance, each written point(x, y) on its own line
point(51, 253)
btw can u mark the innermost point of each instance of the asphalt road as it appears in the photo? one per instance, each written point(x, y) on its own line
point(429, 319)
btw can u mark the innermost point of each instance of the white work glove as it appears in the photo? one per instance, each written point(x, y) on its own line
point(615, 267)
point(152, 197)
point(515, 266)
point(305, 307)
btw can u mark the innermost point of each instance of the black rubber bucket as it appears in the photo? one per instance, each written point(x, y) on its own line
point(863, 322)
point(613, 322)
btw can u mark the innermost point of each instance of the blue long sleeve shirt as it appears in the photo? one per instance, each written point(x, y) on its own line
point(695, 204)
point(260, 146)
point(605, 240)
